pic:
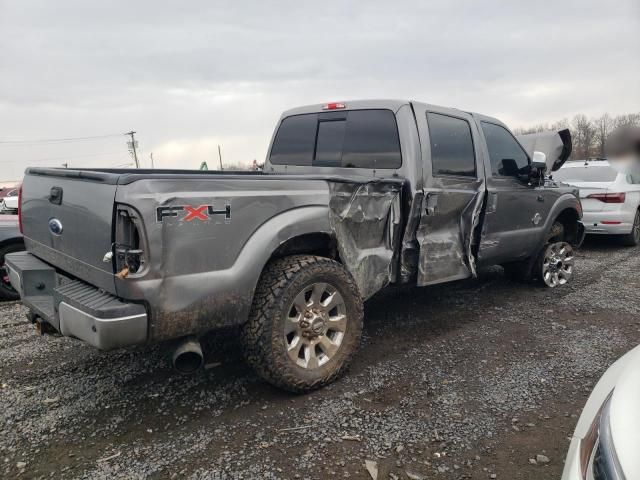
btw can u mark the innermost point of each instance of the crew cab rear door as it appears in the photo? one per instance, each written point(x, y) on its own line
point(453, 194)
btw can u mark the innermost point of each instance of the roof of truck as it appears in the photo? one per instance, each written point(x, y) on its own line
point(391, 104)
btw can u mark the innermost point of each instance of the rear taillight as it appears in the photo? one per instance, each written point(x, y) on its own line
point(129, 244)
point(20, 209)
point(608, 197)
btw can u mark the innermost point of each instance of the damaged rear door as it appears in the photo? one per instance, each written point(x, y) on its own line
point(453, 194)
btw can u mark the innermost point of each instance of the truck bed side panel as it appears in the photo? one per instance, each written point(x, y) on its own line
point(202, 272)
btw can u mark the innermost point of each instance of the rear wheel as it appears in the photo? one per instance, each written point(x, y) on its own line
point(305, 323)
point(7, 292)
point(633, 238)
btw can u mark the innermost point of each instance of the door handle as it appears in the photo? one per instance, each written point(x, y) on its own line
point(431, 202)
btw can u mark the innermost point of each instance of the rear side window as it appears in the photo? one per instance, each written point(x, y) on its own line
point(295, 141)
point(351, 139)
point(451, 146)
point(508, 158)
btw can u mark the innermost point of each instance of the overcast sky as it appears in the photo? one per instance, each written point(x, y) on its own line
point(188, 76)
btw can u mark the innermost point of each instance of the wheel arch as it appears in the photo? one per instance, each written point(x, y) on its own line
point(12, 241)
point(321, 244)
point(568, 211)
point(570, 220)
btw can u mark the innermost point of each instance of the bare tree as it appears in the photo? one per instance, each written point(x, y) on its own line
point(630, 119)
point(583, 133)
point(603, 126)
point(589, 136)
point(560, 124)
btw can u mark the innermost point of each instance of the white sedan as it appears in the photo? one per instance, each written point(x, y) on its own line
point(606, 442)
point(610, 199)
point(10, 202)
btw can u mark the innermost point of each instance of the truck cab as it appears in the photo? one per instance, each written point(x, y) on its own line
point(469, 197)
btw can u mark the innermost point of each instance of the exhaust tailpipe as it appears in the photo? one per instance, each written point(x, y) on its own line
point(188, 358)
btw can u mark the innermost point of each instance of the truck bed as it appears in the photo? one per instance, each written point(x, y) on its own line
point(205, 236)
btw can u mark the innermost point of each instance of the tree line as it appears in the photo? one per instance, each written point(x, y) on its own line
point(589, 135)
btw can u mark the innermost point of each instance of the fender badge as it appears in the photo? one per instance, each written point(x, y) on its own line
point(536, 218)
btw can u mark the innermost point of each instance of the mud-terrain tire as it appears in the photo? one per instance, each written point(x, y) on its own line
point(632, 239)
point(287, 292)
point(7, 292)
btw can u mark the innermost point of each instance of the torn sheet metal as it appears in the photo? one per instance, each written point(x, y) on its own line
point(556, 145)
point(366, 219)
point(447, 234)
point(472, 237)
point(410, 251)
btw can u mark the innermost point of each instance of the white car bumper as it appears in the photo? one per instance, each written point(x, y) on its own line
point(608, 223)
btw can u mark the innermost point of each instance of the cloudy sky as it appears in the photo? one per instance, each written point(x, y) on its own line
point(188, 76)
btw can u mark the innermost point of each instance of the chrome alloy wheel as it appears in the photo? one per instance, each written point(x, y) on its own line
point(315, 325)
point(557, 266)
point(635, 231)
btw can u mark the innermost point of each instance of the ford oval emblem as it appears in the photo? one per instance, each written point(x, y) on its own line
point(55, 226)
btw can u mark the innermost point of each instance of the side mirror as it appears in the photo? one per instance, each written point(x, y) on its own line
point(539, 161)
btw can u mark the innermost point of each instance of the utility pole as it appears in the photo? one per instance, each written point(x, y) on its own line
point(151, 155)
point(133, 147)
point(220, 156)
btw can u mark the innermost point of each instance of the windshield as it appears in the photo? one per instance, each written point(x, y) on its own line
point(586, 174)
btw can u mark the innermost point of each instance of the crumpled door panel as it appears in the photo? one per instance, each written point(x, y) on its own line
point(446, 233)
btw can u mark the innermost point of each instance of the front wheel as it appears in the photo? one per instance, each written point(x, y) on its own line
point(555, 264)
point(305, 323)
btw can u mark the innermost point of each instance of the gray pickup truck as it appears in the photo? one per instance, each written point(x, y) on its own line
point(353, 197)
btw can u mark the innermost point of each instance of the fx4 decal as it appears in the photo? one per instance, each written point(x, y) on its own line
point(202, 212)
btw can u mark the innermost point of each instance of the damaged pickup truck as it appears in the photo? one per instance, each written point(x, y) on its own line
point(353, 197)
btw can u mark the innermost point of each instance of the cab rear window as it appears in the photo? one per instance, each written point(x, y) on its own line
point(349, 139)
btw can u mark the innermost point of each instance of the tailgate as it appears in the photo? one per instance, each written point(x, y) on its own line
point(67, 221)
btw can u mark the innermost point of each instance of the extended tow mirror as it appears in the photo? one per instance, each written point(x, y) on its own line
point(538, 168)
point(539, 161)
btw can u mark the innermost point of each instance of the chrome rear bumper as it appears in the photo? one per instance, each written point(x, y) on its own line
point(74, 308)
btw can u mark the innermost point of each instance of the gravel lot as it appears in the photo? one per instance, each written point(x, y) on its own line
point(466, 380)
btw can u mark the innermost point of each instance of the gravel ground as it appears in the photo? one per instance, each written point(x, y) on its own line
point(466, 380)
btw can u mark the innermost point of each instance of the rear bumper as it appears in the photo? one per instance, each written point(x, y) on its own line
point(75, 308)
point(593, 222)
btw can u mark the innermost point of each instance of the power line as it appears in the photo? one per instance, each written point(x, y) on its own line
point(58, 140)
point(62, 157)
